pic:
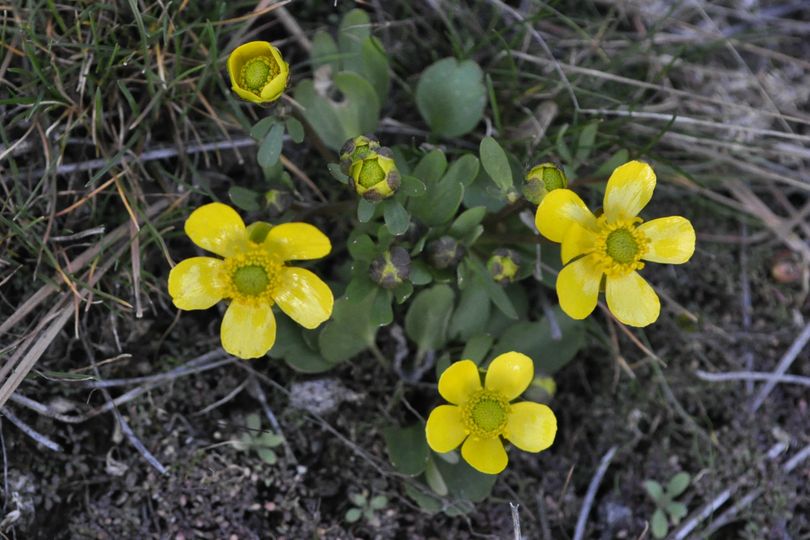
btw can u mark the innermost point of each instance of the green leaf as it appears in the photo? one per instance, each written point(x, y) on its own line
point(396, 217)
point(495, 163)
point(269, 440)
point(378, 503)
point(295, 129)
point(320, 114)
point(678, 484)
point(253, 422)
point(351, 330)
point(619, 158)
point(324, 52)
point(375, 67)
point(420, 274)
point(362, 248)
point(354, 30)
point(677, 511)
point(353, 515)
point(472, 314)
point(291, 346)
point(270, 149)
point(440, 203)
point(407, 448)
point(535, 340)
point(381, 313)
point(659, 524)
point(337, 174)
point(260, 128)
point(246, 199)
point(465, 169)
point(654, 490)
point(493, 290)
point(428, 315)
point(267, 455)
point(477, 347)
point(451, 96)
point(465, 482)
point(412, 186)
point(586, 141)
point(365, 210)
point(434, 479)
point(358, 499)
point(466, 222)
point(431, 167)
point(426, 502)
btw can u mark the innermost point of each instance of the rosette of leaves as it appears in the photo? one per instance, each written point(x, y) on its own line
point(350, 81)
point(668, 510)
point(254, 439)
point(366, 507)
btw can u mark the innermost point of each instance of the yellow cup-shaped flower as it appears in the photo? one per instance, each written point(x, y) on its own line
point(254, 276)
point(480, 416)
point(375, 176)
point(613, 246)
point(258, 72)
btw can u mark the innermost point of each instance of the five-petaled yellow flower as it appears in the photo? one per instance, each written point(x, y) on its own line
point(253, 276)
point(613, 246)
point(478, 416)
point(258, 72)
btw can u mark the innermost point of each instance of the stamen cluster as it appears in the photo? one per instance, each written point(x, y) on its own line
point(620, 246)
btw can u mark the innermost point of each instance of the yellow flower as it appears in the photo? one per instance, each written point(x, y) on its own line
point(253, 276)
point(613, 246)
point(478, 416)
point(258, 72)
point(374, 176)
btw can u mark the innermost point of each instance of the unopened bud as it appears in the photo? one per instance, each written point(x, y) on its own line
point(391, 268)
point(375, 177)
point(277, 202)
point(542, 179)
point(445, 252)
point(355, 149)
point(503, 266)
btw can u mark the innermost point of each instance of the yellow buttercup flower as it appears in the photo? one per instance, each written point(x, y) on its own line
point(253, 275)
point(479, 416)
point(258, 72)
point(613, 246)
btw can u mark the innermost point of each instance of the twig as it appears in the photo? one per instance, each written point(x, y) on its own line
point(515, 519)
point(752, 376)
point(31, 432)
point(707, 510)
point(541, 513)
point(745, 304)
point(268, 412)
point(582, 520)
point(784, 364)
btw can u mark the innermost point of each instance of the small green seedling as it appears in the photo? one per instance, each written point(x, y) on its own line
point(363, 506)
point(666, 504)
point(261, 442)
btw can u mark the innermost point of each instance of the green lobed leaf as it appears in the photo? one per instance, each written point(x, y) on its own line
point(477, 347)
point(431, 167)
point(324, 51)
point(451, 96)
point(246, 199)
point(353, 515)
point(428, 316)
point(495, 163)
point(677, 511)
point(434, 478)
point(467, 221)
point(465, 169)
point(260, 128)
point(396, 217)
point(678, 484)
point(659, 524)
point(365, 210)
point(586, 140)
point(440, 203)
point(295, 129)
point(472, 314)
point(428, 503)
point(493, 290)
point(654, 490)
point(465, 482)
point(362, 248)
point(412, 186)
point(354, 30)
point(378, 502)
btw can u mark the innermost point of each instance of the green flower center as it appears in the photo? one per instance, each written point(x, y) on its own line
point(252, 277)
point(485, 414)
point(371, 173)
point(622, 246)
point(251, 280)
point(258, 72)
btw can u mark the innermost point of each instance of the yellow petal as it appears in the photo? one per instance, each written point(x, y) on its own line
point(273, 91)
point(558, 210)
point(632, 300)
point(510, 374)
point(242, 54)
point(297, 241)
point(578, 287)
point(217, 227)
point(531, 426)
point(304, 297)
point(248, 331)
point(577, 241)
point(672, 240)
point(485, 455)
point(247, 95)
point(459, 381)
point(196, 283)
point(628, 191)
point(445, 429)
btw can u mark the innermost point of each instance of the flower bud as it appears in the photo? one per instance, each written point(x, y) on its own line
point(277, 202)
point(355, 149)
point(391, 268)
point(542, 179)
point(444, 252)
point(258, 72)
point(503, 266)
point(375, 177)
